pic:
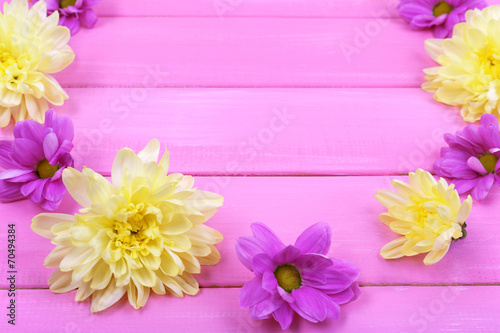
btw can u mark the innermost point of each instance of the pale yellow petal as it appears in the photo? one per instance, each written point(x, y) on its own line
point(392, 250)
point(42, 223)
point(103, 299)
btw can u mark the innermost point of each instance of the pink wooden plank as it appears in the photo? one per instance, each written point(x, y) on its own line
point(249, 8)
point(379, 309)
point(239, 131)
point(253, 8)
point(247, 52)
point(289, 205)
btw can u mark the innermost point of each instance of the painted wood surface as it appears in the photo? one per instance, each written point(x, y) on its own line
point(250, 8)
point(253, 8)
point(379, 309)
point(289, 205)
point(263, 131)
point(247, 52)
point(212, 79)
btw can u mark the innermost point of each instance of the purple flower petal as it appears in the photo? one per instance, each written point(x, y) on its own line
point(285, 296)
point(412, 9)
point(323, 280)
point(29, 129)
point(50, 146)
point(313, 262)
point(483, 187)
point(33, 190)
point(18, 175)
point(54, 190)
point(284, 316)
point(52, 5)
point(252, 293)
point(62, 156)
point(464, 185)
point(90, 3)
point(313, 278)
point(266, 307)
point(267, 238)
point(88, 19)
point(357, 291)
point(62, 126)
point(246, 248)
point(313, 305)
point(315, 239)
point(70, 22)
point(10, 192)
point(5, 150)
point(269, 282)
point(26, 152)
point(345, 267)
point(474, 163)
point(262, 263)
point(336, 282)
point(344, 296)
point(50, 205)
point(286, 256)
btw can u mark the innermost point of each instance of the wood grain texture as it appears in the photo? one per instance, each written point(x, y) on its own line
point(249, 8)
point(253, 8)
point(247, 52)
point(263, 131)
point(379, 309)
point(289, 205)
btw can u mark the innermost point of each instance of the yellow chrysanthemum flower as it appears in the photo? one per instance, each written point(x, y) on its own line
point(428, 214)
point(32, 46)
point(143, 231)
point(469, 75)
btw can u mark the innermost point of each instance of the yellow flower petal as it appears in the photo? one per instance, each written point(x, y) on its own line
point(33, 45)
point(427, 212)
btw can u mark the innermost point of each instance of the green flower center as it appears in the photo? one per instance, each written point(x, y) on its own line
point(288, 277)
point(46, 170)
point(67, 3)
point(489, 161)
point(441, 8)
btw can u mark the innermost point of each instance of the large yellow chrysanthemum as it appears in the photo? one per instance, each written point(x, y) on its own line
point(469, 75)
point(32, 46)
point(143, 231)
point(428, 214)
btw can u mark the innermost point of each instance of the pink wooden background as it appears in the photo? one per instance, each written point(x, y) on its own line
point(297, 111)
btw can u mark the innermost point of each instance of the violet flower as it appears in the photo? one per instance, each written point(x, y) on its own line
point(439, 15)
point(35, 159)
point(73, 13)
point(471, 160)
point(296, 278)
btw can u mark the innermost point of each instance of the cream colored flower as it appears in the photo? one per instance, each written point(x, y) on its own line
point(144, 231)
point(428, 214)
point(32, 46)
point(469, 75)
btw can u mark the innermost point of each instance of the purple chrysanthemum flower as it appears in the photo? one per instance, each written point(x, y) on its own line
point(471, 160)
point(73, 13)
point(437, 14)
point(296, 278)
point(35, 159)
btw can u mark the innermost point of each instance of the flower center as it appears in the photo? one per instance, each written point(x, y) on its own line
point(135, 229)
point(489, 162)
point(46, 170)
point(442, 8)
point(6, 60)
point(67, 3)
point(288, 277)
